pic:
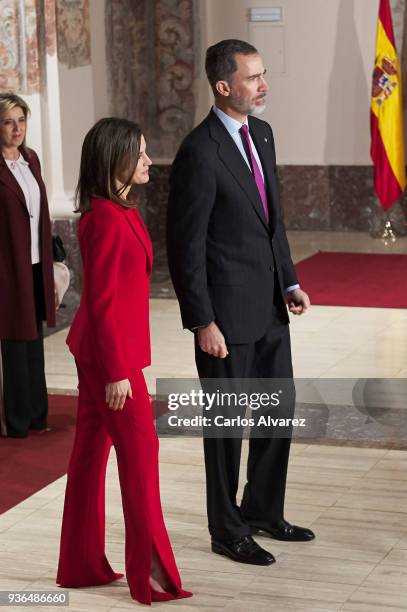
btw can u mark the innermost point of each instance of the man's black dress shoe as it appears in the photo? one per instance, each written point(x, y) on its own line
point(243, 550)
point(282, 530)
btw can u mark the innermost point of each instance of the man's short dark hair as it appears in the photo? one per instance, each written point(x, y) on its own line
point(220, 61)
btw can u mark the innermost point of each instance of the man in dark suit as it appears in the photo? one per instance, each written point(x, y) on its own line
point(232, 271)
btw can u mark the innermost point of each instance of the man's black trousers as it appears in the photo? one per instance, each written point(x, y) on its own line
point(264, 492)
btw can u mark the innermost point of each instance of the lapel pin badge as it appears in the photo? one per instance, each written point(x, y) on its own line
point(265, 140)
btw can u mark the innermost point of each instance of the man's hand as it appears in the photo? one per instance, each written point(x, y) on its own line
point(212, 341)
point(298, 301)
point(117, 392)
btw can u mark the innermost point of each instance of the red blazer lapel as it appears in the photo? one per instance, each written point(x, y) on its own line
point(137, 224)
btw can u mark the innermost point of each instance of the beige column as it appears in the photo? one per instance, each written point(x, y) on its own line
point(59, 202)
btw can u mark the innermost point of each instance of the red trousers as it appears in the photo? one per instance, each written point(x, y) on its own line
point(82, 559)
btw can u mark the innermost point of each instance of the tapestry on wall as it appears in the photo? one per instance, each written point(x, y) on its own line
point(152, 50)
point(27, 34)
point(73, 32)
point(19, 49)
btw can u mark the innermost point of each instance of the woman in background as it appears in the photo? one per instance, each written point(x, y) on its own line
point(110, 340)
point(26, 276)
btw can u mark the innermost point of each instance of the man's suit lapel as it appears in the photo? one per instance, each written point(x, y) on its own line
point(262, 144)
point(233, 160)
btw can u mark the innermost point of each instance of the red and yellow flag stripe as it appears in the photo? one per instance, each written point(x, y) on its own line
point(387, 146)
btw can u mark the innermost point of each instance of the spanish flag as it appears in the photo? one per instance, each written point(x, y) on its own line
point(387, 149)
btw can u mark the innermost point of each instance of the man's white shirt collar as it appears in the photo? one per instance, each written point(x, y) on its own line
point(232, 125)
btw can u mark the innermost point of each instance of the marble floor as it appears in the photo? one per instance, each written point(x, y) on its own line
point(354, 498)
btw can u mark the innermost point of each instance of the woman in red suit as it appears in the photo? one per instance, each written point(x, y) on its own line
point(110, 340)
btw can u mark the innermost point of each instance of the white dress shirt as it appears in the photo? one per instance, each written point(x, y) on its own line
point(29, 186)
point(233, 126)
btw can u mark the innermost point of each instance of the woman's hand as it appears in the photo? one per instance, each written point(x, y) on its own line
point(117, 392)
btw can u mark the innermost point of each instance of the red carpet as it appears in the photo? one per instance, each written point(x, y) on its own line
point(29, 464)
point(355, 279)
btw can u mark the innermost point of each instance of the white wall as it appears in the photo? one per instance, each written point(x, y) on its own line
point(99, 68)
point(77, 116)
point(83, 94)
point(319, 108)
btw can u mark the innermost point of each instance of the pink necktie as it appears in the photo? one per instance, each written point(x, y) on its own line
point(244, 133)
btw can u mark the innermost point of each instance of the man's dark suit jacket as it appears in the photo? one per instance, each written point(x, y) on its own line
point(221, 250)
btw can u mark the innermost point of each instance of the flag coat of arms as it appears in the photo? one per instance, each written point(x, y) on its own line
point(386, 114)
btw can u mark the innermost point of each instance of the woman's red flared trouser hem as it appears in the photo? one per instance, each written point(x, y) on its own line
point(82, 560)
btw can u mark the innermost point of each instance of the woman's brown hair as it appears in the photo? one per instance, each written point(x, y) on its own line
point(9, 100)
point(111, 149)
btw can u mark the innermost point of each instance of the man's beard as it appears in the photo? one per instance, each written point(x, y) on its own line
point(257, 109)
point(243, 106)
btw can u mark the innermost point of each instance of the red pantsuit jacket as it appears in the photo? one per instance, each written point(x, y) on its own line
point(111, 327)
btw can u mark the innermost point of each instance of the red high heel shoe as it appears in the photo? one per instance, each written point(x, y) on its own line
point(158, 596)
